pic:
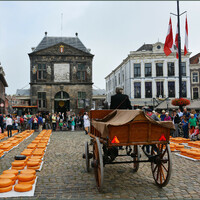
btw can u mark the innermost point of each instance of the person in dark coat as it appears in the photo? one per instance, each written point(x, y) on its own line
point(120, 101)
point(1, 123)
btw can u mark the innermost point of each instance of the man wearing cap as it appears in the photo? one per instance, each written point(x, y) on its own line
point(119, 100)
point(162, 116)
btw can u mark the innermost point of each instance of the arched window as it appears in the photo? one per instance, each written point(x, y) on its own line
point(62, 95)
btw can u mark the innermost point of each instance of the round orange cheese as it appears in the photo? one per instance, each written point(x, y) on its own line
point(5, 182)
point(26, 177)
point(28, 171)
point(27, 182)
point(18, 163)
point(23, 187)
point(18, 168)
point(35, 167)
point(9, 176)
point(11, 171)
point(32, 163)
point(6, 189)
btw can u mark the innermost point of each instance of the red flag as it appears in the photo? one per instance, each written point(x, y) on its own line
point(176, 42)
point(186, 37)
point(169, 40)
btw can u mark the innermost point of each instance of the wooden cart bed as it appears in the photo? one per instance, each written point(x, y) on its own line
point(131, 127)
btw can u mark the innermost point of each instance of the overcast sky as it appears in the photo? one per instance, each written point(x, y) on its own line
point(110, 29)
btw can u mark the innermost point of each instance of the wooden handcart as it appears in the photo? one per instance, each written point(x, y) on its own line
point(128, 128)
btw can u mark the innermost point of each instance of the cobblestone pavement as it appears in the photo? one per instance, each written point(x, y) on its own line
point(63, 175)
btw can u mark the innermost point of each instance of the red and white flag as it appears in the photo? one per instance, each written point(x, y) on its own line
point(176, 42)
point(186, 37)
point(168, 47)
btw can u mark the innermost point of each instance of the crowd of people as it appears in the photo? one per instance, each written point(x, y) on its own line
point(55, 121)
point(186, 122)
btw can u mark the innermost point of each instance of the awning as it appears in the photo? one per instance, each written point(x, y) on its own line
point(24, 106)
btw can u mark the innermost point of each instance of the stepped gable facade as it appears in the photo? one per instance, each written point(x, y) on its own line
point(61, 75)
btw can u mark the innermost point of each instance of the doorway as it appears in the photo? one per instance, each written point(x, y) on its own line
point(61, 102)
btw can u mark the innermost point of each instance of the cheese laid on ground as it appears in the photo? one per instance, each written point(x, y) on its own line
point(27, 182)
point(28, 171)
point(5, 182)
point(11, 171)
point(6, 189)
point(13, 177)
point(23, 187)
point(26, 177)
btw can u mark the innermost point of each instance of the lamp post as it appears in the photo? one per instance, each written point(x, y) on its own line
point(179, 51)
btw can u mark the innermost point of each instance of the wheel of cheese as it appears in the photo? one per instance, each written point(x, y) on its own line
point(35, 160)
point(26, 153)
point(27, 182)
point(5, 182)
point(28, 171)
point(35, 167)
point(9, 176)
point(23, 187)
point(18, 168)
point(10, 171)
point(17, 163)
point(6, 189)
point(26, 177)
point(40, 157)
point(20, 157)
point(35, 141)
point(32, 163)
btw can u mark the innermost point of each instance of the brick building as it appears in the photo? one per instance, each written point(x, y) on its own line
point(3, 84)
point(61, 75)
point(194, 74)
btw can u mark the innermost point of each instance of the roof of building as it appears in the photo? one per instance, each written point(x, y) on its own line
point(195, 59)
point(98, 92)
point(51, 41)
point(23, 92)
point(146, 47)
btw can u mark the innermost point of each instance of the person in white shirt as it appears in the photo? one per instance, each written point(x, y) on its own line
point(86, 122)
point(180, 114)
point(9, 126)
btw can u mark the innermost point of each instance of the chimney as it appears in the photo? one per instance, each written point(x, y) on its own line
point(45, 34)
point(76, 34)
point(32, 48)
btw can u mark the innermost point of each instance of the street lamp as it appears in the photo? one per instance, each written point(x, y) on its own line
point(179, 49)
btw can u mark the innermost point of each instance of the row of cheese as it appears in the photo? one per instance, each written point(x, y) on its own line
point(34, 152)
point(24, 180)
point(179, 140)
point(5, 134)
point(14, 141)
point(192, 153)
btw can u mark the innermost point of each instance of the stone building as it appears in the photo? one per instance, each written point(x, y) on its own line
point(148, 75)
point(61, 75)
point(3, 84)
point(194, 73)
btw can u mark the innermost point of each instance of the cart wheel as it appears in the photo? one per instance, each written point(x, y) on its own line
point(136, 158)
point(87, 160)
point(98, 163)
point(161, 166)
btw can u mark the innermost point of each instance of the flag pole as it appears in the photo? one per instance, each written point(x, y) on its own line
point(179, 52)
